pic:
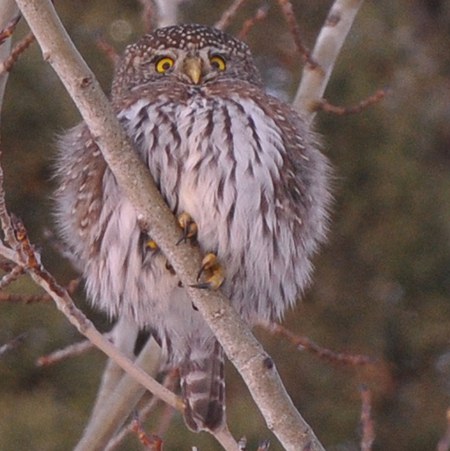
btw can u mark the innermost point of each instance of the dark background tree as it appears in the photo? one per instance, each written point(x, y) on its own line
point(382, 283)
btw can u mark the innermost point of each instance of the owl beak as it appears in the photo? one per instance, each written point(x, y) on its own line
point(193, 69)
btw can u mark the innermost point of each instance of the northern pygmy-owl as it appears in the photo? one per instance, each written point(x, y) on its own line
point(240, 162)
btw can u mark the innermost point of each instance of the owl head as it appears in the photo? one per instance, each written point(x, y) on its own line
point(190, 54)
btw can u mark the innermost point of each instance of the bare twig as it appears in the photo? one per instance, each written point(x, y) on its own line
point(289, 15)
point(107, 49)
point(7, 32)
point(244, 351)
point(8, 11)
point(261, 14)
point(18, 50)
point(444, 442)
point(72, 350)
point(364, 104)
point(152, 442)
point(328, 45)
point(148, 14)
point(169, 382)
point(228, 15)
point(13, 275)
point(302, 343)
point(12, 344)
point(368, 431)
point(34, 298)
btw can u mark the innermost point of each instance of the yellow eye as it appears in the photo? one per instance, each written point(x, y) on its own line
point(164, 64)
point(218, 62)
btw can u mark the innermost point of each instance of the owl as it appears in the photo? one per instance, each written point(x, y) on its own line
point(241, 170)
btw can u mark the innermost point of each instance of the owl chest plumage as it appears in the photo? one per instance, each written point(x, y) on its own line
point(256, 190)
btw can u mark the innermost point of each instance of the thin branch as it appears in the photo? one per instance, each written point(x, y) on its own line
point(13, 275)
point(228, 15)
point(328, 45)
point(304, 343)
point(107, 49)
point(355, 109)
point(260, 15)
point(72, 350)
point(8, 31)
point(12, 344)
point(152, 442)
point(368, 430)
point(148, 14)
point(289, 15)
point(8, 11)
point(18, 50)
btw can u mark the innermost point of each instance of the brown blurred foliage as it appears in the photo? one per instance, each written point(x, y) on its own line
point(382, 285)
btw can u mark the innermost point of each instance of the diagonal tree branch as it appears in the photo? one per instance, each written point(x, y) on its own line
point(244, 351)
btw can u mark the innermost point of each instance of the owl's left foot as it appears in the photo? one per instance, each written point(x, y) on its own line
point(212, 273)
point(188, 226)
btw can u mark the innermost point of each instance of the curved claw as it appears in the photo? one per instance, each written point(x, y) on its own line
point(188, 225)
point(213, 272)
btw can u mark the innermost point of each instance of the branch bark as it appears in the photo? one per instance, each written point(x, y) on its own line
point(244, 351)
point(328, 45)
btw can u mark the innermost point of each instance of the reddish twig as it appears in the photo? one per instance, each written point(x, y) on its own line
point(341, 111)
point(72, 350)
point(302, 343)
point(261, 14)
point(228, 15)
point(17, 51)
point(12, 344)
point(170, 382)
point(151, 441)
point(33, 298)
point(444, 442)
point(368, 430)
point(148, 14)
point(107, 49)
point(289, 15)
point(9, 29)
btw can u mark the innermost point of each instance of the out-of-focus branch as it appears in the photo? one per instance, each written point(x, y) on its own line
point(444, 442)
point(362, 105)
point(304, 343)
point(260, 15)
point(328, 45)
point(18, 49)
point(244, 351)
point(12, 344)
point(167, 12)
point(228, 14)
point(367, 427)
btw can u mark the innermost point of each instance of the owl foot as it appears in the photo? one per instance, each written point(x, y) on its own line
point(188, 225)
point(212, 271)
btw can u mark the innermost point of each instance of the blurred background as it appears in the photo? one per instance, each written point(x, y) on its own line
point(382, 282)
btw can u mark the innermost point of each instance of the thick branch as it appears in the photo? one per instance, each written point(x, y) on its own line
point(254, 365)
point(328, 45)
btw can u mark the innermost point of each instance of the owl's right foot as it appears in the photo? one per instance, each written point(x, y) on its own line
point(212, 272)
point(188, 226)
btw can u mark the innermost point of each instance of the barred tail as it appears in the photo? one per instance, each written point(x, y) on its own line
point(203, 388)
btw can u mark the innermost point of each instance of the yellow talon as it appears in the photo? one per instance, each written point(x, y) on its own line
point(188, 225)
point(152, 245)
point(212, 271)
